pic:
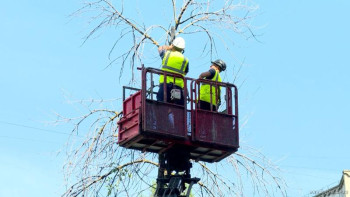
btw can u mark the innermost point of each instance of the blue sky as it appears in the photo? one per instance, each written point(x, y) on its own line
point(295, 96)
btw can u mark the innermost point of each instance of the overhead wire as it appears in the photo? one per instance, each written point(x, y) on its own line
point(28, 139)
point(36, 128)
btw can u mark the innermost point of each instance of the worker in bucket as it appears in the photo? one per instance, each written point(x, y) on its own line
point(173, 61)
point(212, 74)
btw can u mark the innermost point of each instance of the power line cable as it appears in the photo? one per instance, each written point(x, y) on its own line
point(27, 139)
point(40, 129)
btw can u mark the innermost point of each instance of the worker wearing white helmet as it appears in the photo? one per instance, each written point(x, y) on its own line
point(173, 61)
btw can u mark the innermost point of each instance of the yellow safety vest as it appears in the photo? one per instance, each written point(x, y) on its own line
point(174, 62)
point(205, 90)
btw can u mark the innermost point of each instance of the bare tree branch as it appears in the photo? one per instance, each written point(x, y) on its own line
point(118, 15)
point(102, 167)
point(98, 166)
point(207, 15)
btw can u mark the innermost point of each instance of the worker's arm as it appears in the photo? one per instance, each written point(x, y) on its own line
point(164, 48)
point(204, 74)
point(208, 75)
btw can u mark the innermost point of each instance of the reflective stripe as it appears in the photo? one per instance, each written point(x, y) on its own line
point(183, 65)
point(167, 58)
point(174, 69)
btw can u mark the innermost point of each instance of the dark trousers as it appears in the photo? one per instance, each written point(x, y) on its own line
point(205, 105)
point(169, 87)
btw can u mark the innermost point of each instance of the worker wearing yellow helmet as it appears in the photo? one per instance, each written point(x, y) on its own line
point(173, 61)
point(214, 75)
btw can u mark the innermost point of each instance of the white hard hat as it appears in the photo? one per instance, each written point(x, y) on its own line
point(179, 43)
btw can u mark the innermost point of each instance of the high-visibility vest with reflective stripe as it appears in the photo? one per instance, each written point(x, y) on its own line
point(205, 90)
point(174, 62)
